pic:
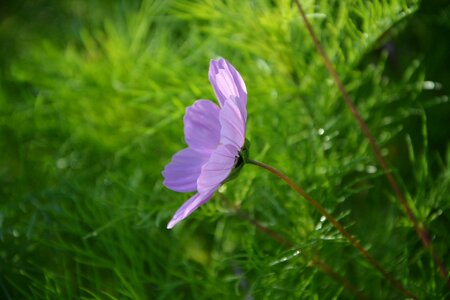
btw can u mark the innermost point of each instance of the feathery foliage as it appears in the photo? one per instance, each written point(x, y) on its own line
point(92, 96)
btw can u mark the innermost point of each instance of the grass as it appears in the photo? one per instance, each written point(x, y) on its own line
point(91, 104)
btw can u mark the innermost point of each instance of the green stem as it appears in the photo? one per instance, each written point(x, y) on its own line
point(420, 230)
point(336, 224)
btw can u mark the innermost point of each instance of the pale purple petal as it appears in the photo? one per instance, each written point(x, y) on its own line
point(182, 173)
point(214, 136)
point(190, 206)
point(218, 168)
point(233, 126)
point(228, 84)
point(201, 126)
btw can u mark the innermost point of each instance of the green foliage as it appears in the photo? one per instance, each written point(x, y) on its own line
point(91, 103)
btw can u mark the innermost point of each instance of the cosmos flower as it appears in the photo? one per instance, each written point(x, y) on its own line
point(215, 136)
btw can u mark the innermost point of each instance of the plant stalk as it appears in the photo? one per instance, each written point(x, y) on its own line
point(420, 230)
point(316, 261)
point(336, 224)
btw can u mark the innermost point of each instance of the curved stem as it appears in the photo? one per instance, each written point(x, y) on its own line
point(316, 261)
point(327, 270)
point(336, 224)
point(420, 230)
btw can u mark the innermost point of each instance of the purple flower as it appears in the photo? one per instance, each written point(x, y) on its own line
point(215, 137)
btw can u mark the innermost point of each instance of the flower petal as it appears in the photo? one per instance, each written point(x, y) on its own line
point(228, 84)
point(201, 126)
point(190, 206)
point(218, 168)
point(232, 123)
point(182, 173)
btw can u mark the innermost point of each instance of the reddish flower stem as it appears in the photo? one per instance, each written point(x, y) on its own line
point(316, 261)
point(337, 225)
point(420, 230)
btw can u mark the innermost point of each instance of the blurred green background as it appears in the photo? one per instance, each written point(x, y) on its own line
point(92, 95)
